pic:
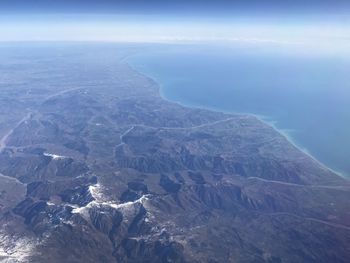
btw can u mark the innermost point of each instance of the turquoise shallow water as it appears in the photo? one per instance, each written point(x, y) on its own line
point(306, 96)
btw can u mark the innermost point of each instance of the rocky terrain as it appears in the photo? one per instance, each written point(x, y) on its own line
point(96, 167)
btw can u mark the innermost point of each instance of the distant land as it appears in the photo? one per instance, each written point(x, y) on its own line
point(96, 166)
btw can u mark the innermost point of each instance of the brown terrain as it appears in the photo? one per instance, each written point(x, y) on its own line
point(95, 166)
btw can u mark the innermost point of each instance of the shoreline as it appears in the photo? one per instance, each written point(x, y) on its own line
point(288, 137)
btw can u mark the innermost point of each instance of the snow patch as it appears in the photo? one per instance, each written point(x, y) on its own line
point(128, 204)
point(14, 249)
point(84, 210)
point(55, 156)
point(96, 192)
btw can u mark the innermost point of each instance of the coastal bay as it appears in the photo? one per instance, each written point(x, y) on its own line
point(304, 97)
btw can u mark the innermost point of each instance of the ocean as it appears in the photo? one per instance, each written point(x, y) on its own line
point(304, 95)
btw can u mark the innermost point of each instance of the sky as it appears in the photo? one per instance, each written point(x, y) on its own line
point(174, 6)
point(314, 23)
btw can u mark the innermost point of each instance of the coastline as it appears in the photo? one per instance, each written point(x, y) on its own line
point(261, 118)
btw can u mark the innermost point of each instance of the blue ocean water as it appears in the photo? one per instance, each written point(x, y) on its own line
point(307, 96)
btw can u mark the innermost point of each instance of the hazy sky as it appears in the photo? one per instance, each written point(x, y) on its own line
point(314, 23)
